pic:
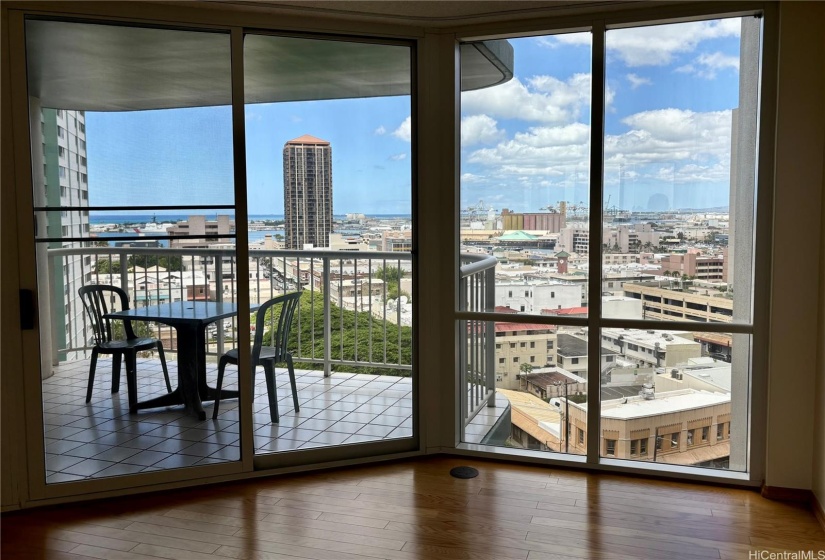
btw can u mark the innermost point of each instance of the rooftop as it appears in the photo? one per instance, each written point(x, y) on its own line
point(307, 139)
point(663, 403)
point(651, 338)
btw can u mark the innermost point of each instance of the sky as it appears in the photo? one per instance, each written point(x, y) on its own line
point(524, 144)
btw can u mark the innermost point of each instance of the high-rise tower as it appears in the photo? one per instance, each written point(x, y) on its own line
point(307, 192)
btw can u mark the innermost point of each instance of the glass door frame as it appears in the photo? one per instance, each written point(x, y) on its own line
point(757, 329)
point(38, 490)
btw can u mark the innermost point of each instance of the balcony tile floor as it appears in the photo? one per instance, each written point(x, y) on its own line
point(102, 439)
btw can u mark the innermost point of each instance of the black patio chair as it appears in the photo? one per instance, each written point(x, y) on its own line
point(97, 300)
point(268, 356)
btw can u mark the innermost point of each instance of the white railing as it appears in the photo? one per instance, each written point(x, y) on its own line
point(477, 338)
point(357, 318)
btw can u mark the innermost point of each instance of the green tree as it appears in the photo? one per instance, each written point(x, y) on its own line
point(170, 263)
point(392, 275)
point(525, 368)
point(105, 266)
point(353, 336)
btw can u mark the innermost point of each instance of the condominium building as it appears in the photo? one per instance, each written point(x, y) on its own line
point(65, 184)
point(694, 265)
point(307, 192)
point(522, 343)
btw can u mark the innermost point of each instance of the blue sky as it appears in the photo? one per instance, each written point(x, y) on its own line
point(670, 90)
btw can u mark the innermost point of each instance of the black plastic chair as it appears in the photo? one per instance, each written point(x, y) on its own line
point(268, 356)
point(97, 301)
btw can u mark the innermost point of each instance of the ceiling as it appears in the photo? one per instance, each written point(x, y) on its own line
point(95, 67)
point(424, 12)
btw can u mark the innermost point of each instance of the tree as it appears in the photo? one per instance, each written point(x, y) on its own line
point(170, 263)
point(392, 275)
point(525, 368)
point(106, 266)
point(306, 339)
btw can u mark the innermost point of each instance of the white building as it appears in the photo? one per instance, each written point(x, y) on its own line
point(531, 297)
point(652, 348)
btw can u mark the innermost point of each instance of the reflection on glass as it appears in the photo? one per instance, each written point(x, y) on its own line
point(328, 136)
point(536, 397)
point(679, 171)
point(525, 173)
point(667, 398)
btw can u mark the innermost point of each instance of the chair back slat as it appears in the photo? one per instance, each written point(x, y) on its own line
point(95, 300)
point(280, 334)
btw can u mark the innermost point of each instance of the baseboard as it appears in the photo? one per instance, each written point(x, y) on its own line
point(819, 511)
point(781, 494)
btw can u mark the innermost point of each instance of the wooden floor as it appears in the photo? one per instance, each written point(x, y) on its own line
point(414, 509)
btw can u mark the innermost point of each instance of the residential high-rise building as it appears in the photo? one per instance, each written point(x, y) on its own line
point(65, 183)
point(307, 192)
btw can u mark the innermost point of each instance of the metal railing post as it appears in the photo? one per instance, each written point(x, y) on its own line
point(219, 298)
point(490, 306)
point(55, 353)
point(124, 273)
point(327, 318)
point(462, 353)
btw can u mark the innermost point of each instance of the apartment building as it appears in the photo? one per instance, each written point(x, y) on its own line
point(198, 227)
point(518, 344)
point(696, 266)
point(652, 348)
point(60, 167)
point(307, 192)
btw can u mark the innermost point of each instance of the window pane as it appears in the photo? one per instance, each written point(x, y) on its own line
point(665, 393)
point(540, 388)
point(525, 174)
point(123, 119)
point(680, 137)
point(329, 154)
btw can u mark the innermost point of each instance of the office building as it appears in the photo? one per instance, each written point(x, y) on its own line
point(307, 192)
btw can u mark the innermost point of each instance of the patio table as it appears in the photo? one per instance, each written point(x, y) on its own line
point(190, 319)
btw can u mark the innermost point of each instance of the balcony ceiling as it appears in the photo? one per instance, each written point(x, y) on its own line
point(116, 68)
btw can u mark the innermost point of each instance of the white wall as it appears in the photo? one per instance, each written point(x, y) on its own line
point(796, 268)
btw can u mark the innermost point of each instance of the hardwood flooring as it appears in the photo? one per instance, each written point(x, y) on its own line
point(414, 509)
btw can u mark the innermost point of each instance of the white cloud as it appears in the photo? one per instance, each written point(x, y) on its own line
point(707, 65)
point(544, 99)
point(636, 81)
point(672, 145)
point(380, 131)
point(296, 118)
point(479, 129)
point(398, 157)
point(404, 130)
point(655, 45)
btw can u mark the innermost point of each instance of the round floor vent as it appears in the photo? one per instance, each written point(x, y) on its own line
point(464, 472)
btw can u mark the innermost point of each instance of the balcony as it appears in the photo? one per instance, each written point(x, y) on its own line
point(352, 352)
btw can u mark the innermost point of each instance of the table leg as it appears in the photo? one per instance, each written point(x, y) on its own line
point(190, 355)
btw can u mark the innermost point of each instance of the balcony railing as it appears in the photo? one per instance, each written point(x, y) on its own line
point(477, 338)
point(353, 314)
point(357, 314)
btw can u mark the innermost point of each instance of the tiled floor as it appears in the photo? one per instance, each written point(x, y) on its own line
point(102, 439)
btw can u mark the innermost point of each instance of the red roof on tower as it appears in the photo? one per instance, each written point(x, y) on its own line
point(307, 139)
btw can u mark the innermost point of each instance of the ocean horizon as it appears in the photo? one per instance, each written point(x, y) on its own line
point(149, 217)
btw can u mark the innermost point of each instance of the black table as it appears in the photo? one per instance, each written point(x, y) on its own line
point(189, 318)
